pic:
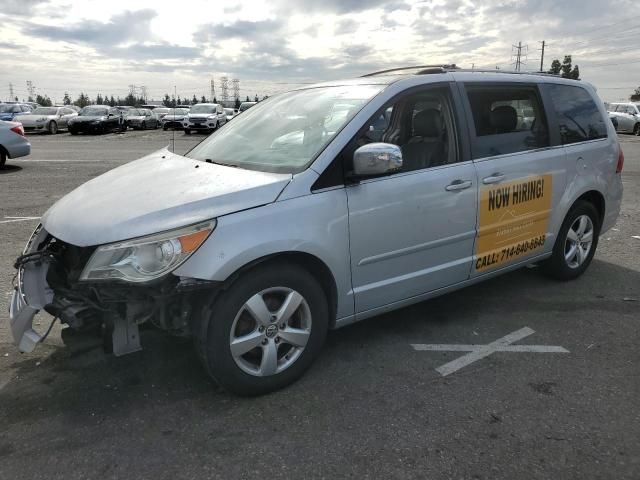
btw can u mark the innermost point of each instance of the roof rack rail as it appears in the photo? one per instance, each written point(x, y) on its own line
point(423, 69)
point(512, 72)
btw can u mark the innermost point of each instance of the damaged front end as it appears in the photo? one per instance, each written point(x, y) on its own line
point(50, 275)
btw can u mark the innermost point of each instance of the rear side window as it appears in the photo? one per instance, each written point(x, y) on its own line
point(507, 119)
point(577, 114)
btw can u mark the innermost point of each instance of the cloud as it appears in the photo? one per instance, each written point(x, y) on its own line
point(20, 7)
point(13, 47)
point(119, 29)
point(394, 6)
point(339, 7)
point(346, 26)
point(157, 51)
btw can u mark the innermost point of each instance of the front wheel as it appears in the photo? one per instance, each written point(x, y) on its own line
point(53, 128)
point(576, 243)
point(263, 332)
point(143, 126)
point(187, 131)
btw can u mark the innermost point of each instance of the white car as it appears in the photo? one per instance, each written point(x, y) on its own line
point(13, 143)
point(627, 117)
point(230, 113)
point(204, 116)
point(46, 119)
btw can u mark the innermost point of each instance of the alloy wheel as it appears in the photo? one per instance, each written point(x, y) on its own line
point(579, 241)
point(270, 331)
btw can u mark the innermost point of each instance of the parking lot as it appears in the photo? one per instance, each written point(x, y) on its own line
point(388, 397)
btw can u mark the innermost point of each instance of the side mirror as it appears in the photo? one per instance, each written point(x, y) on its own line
point(376, 159)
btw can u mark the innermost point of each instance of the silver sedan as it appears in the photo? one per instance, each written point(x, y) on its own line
point(46, 119)
point(13, 143)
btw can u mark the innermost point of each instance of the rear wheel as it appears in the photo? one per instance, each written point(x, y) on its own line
point(263, 332)
point(636, 129)
point(576, 243)
point(73, 132)
point(143, 126)
point(53, 128)
point(3, 158)
point(187, 131)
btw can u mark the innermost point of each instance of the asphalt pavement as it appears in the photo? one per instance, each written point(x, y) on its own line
point(565, 404)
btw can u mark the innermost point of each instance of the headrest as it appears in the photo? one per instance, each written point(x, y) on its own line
point(427, 123)
point(504, 119)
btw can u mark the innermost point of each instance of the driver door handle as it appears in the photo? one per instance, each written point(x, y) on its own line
point(458, 185)
point(494, 178)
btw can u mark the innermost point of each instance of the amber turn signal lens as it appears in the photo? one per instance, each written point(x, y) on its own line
point(191, 242)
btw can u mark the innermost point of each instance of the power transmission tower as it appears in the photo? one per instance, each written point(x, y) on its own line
point(213, 90)
point(225, 89)
point(31, 89)
point(236, 88)
point(11, 96)
point(143, 92)
point(542, 56)
point(520, 51)
point(133, 90)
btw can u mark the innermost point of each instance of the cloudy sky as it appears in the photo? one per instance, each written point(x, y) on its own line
point(102, 47)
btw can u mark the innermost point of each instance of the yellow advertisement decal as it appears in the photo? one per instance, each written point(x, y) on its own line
point(513, 221)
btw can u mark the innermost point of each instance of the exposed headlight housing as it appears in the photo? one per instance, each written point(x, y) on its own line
point(146, 258)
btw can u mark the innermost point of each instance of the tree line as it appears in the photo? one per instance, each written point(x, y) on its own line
point(565, 69)
point(133, 100)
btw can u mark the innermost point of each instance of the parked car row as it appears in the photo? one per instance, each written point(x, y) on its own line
point(104, 118)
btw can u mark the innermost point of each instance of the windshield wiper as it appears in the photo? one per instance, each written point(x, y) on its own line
point(208, 160)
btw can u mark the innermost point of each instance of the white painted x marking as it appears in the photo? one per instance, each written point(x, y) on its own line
point(477, 352)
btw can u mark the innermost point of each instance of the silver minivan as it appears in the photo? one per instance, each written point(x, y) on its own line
point(324, 206)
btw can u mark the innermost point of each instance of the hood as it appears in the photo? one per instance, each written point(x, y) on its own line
point(201, 115)
point(86, 118)
point(135, 117)
point(173, 117)
point(34, 118)
point(159, 192)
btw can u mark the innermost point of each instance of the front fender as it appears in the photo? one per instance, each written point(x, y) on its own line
point(316, 224)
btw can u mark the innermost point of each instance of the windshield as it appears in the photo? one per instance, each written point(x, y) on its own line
point(45, 111)
point(286, 132)
point(178, 111)
point(203, 109)
point(132, 112)
point(161, 110)
point(93, 111)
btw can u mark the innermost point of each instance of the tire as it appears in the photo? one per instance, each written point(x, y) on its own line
point(563, 265)
point(52, 128)
point(3, 158)
point(143, 126)
point(187, 131)
point(73, 132)
point(165, 128)
point(227, 317)
point(636, 129)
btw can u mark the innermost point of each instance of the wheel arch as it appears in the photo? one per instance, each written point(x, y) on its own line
point(311, 263)
point(596, 198)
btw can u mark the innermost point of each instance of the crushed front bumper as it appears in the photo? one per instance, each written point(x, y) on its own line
point(30, 295)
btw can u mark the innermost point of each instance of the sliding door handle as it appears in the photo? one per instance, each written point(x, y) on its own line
point(458, 185)
point(494, 178)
